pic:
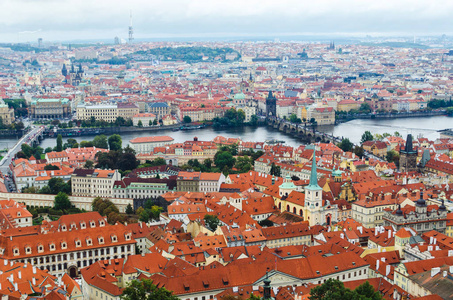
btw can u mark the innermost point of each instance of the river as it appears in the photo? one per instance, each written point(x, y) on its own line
point(423, 126)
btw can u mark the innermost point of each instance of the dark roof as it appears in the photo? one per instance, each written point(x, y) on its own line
point(158, 104)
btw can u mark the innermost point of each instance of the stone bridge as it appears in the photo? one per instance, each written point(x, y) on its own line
point(304, 131)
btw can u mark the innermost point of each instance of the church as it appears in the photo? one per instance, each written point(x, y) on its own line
point(308, 204)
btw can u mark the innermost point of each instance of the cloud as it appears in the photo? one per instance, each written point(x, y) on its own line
point(68, 19)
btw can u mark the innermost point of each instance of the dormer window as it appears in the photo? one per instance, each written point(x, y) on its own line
point(63, 227)
point(83, 225)
point(101, 223)
point(28, 250)
point(114, 239)
point(92, 224)
point(52, 247)
point(18, 214)
point(78, 243)
point(40, 248)
point(89, 242)
point(16, 251)
point(127, 236)
point(101, 240)
point(63, 245)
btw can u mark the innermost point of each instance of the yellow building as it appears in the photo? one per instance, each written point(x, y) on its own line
point(6, 113)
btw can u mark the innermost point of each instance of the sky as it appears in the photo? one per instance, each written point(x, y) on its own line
point(66, 20)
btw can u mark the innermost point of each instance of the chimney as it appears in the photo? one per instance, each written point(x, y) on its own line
point(450, 252)
point(19, 275)
point(387, 270)
point(431, 240)
point(34, 270)
point(383, 259)
point(15, 286)
point(33, 280)
point(389, 234)
point(435, 271)
point(5, 262)
point(444, 273)
point(377, 264)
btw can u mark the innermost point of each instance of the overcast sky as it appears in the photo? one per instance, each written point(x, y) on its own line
point(64, 20)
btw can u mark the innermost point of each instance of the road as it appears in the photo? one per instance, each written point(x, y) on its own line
point(4, 163)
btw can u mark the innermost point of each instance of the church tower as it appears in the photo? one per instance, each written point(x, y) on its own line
point(271, 105)
point(313, 193)
point(408, 156)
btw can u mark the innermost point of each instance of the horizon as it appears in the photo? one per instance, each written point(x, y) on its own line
point(61, 21)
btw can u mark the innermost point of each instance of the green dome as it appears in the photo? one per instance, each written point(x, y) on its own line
point(239, 96)
point(336, 173)
point(288, 184)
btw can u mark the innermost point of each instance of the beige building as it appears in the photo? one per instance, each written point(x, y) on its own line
point(73, 242)
point(322, 115)
point(148, 143)
point(104, 112)
point(127, 110)
point(107, 112)
point(6, 113)
point(49, 108)
point(94, 182)
point(146, 119)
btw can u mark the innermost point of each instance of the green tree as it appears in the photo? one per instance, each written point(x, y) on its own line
point(346, 145)
point(253, 120)
point(366, 291)
point(115, 142)
point(100, 141)
point(59, 185)
point(146, 290)
point(392, 156)
point(51, 167)
point(365, 108)
point(397, 134)
point(187, 119)
point(140, 124)
point(62, 201)
point(89, 164)
point(359, 151)
point(45, 190)
point(224, 159)
point(129, 209)
point(48, 149)
point(59, 146)
point(150, 123)
point(211, 221)
point(332, 289)
point(366, 136)
point(84, 144)
point(27, 150)
point(155, 122)
point(275, 170)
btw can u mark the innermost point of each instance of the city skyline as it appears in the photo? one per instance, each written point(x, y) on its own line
point(83, 20)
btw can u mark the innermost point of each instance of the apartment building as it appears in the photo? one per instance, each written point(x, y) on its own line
point(94, 182)
point(66, 245)
point(148, 143)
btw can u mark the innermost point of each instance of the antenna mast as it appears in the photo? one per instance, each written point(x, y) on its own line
point(131, 30)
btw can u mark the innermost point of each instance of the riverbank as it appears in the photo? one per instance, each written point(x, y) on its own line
point(341, 118)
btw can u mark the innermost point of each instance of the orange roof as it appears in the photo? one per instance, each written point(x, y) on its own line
point(151, 139)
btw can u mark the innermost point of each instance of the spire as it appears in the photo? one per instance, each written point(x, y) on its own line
point(409, 147)
point(313, 185)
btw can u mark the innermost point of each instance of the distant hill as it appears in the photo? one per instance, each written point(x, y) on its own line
point(396, 45)
point(188, 54)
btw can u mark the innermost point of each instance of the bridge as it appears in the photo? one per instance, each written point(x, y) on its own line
point(305, 132)
point(308, 133)
point(32, 138)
